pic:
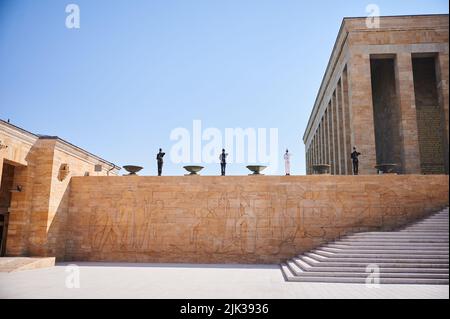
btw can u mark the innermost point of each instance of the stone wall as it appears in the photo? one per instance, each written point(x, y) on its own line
point(247, 219)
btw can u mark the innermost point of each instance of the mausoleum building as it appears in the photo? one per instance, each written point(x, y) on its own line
point(385, 92)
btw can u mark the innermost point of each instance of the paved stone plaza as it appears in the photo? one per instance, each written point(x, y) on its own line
point(118, 280)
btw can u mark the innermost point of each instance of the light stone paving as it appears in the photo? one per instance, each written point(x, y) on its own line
point(121, 280)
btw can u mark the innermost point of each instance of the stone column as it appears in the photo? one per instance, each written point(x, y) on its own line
point(322, 141)
point(314, 149)
point(319, 153)
point(361, 110)
point(337, 157)
point(331, 122)
point(307, 162)
point(325, 134)
point(341, 129)
point(346, 124)
point(442, 83)
point(410, 153)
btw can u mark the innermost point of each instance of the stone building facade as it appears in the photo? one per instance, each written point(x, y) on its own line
point(385, 91)
point(35, 174)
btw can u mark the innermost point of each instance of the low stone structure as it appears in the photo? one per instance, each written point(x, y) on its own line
point(13, 264)
point(35, 174)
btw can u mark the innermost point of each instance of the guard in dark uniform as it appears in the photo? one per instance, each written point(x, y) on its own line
point(223, 162)
point(159, 159)
point(354, 157)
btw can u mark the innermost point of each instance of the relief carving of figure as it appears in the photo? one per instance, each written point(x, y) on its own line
point(153, 216)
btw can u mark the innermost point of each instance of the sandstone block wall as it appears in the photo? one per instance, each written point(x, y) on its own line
point(242, 219)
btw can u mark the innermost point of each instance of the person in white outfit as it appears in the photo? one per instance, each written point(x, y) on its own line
point(287, 162)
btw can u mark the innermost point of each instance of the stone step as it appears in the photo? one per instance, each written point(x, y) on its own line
point(391, 243)
point(388, 247)
point(399, 235)
point(374, 260)
point(292, 277)
point(417, 232)
point(404, 236)
point(385, 251)
point(319, 268)
point(414, 231)
point(398, 240)
point(379, 264)
point(429, 227)
point(379, 255)
point(438, 223)
point(12, 264)
point(298, 271)
point(416, 254)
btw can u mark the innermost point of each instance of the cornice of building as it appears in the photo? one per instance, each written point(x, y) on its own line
point(75, 151)
point(18, 133)
point(61, 145)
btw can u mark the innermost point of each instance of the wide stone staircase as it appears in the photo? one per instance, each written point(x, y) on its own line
point(416, 254)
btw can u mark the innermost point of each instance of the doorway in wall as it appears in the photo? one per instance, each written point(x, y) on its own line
point(5, 202)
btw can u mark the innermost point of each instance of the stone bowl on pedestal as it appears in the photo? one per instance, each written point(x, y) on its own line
point(192, 169)
point(322, 169)
point(132, 169)
point(256, 169)
point(386, 168)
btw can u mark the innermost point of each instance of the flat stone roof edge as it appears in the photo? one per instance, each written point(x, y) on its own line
point(54, 137)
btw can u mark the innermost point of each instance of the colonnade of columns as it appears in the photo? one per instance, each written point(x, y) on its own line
point(348, 119)
point(331, 142)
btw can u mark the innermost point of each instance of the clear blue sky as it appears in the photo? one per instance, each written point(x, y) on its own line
point(135, 70)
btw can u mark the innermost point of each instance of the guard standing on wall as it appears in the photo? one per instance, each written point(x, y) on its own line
point(354, 157)
point(223, 162)
point(159, 159)
point(287, 163)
